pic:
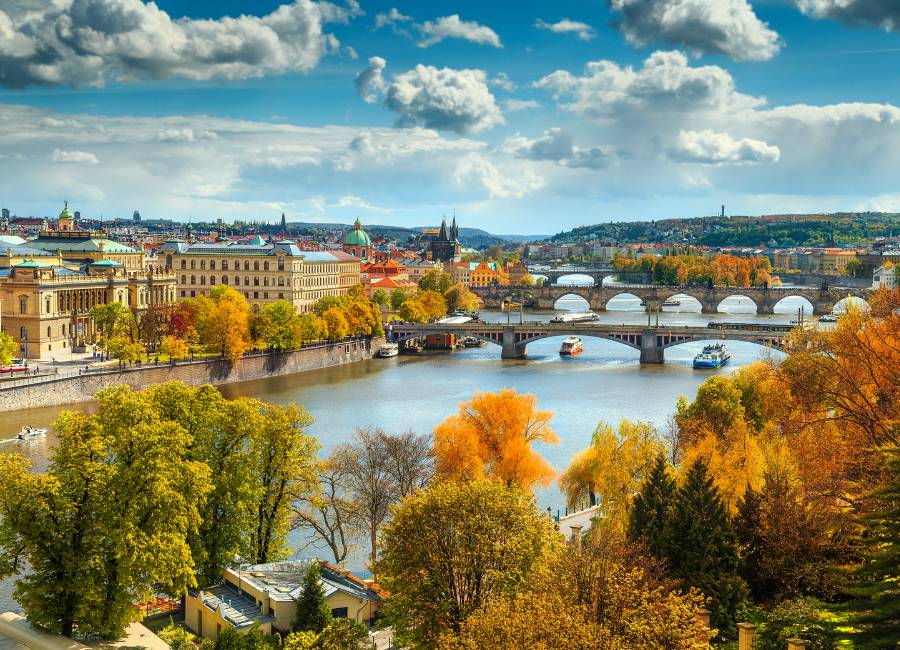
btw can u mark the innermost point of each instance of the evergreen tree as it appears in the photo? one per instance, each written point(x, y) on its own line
point(651, 506)
point(747, 526)
point(701, 549)
point(313, 613)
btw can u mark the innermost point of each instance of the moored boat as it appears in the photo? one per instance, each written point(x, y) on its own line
point(671, 302)
point(389, 350)
point(712, 356)
point(29, 433)
point(472, 342)
point(828, 318)
point(571, 347)
point(575, 317)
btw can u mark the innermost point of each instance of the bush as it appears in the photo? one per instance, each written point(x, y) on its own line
point(796, 619)
point(177, 637)
point(343, 634)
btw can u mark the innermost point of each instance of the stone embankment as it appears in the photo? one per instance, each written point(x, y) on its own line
point(54, 390)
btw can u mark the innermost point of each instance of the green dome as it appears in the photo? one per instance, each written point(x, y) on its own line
point(66, 213)
point(357, 236)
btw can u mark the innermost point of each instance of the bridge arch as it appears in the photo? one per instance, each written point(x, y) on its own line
point(688, 303)
point(737, 300)
point(840, 307)
point(796, 302)
point(623, 300)
point(574, 293)
point(632, 341)
point(575, 279)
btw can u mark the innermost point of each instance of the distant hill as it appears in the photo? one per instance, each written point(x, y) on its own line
point(472, 237)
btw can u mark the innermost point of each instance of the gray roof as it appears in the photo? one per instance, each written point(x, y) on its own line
point(242, 248)
point(284, 580)
point(239, 610)
point(80, 245)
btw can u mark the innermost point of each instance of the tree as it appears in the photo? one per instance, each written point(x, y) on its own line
point(793, 619)
point(344, 634)
point(312, 613)
point(174, 347)
point(110, 319)
point(381, 297)
point(398, 297)
point(612, 468)
point(282, 457)
point(410, 461)
point(8, 349)
point(336, 326)
point(650, 513)
point(107, 525)
point(312, 327)
point(700, 546)
point(280, 326)
point(413, 311)
point(226, 328)
point(131, 352)
point(329, 513)
point(458, 297)
point(435, 280)
point(433, 303)
point(491, 436)
point(451, 549)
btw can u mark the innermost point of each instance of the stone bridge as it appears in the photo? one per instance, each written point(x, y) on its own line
point(596, 273)
point(823, 300)
point(650, 341)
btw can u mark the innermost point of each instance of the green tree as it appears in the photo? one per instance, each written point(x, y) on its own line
point(381, 297)
point(8, 349)
point(650, 512)
point(283, 466)
point(110, 319)
point(398, 297)
point(312, 328)
point(107, 525)
point(312, 613)
point(325, 303)
point(449, 550)
point(344, 634)
point(280, 327)
point(435, 280)
point(230, 639)
point(797, 619)
point(701, 549)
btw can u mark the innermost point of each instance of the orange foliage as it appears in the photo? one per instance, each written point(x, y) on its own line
point(491, 437)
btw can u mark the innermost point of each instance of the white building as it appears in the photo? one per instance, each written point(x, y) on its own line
point(885, 277)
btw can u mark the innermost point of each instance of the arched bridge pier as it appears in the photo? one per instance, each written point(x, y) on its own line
point(650, 341)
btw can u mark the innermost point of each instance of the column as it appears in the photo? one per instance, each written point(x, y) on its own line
point(796, 644)
point(510, 349)
point(651, 352)
point(746, 635)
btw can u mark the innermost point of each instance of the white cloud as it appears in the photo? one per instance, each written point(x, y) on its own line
point(582, 31)
point(81, 157)
point(433, 32)
point(92, 42)
point(556, 145)
point(435, 98)
point(727, 27)
point(184, 135)
point(512, 183)
point(711, 148)
point(502, 81)
point(515, 105)
point(353, 201)
point(666, 85)
point(878, 13)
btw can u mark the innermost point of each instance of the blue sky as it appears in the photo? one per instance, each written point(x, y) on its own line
point(525, 117)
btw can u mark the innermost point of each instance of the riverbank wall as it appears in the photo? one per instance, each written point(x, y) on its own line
point(70, 389)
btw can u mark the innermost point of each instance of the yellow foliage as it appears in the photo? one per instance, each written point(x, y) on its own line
point(491, 437)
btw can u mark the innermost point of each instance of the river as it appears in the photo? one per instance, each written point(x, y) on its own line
point(605, 383)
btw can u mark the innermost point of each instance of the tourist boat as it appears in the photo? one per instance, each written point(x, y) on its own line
point(671, 302)
point(571, 347)
point(472, 342)
point(575, 317)
point(712, 356)
point(389, 350)
point(828, 318)
point(29, 433)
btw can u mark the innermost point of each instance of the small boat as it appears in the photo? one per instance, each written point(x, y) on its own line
point(671, 302)
point(575, 317)
point(571, 347)
point(29, 433)
point(713, 356)
point(472, 342)
point(828, 318)
point(389, 350)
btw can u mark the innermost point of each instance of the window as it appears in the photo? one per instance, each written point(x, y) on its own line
point(212, 265)
point(202, 279)
point(224, 265)
point(212, 279)
point(246, 265)
point(224, 279)
point(256, 295)
point(47, 306)
point(266, 265)
point(281, 262)
point(193, 280)
point(183, 279)
point(183, 293)
point(246, 280)
point(203, 264)
point(48, 331)
point(280, 281)
point(23, 334)
point(280, 296)
point(23, 305)
point(266, 295)
point(237, 281)
point(265, 280)
point(193, 264)
point(255, 280)
point(339, 612)
point(183, 264)
point(256, 265)
point(193, 294)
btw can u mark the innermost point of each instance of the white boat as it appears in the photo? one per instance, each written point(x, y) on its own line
point(29, 433)
point(671, 302)
point(571, 347)
point(713, 356)
point(575, 317)
point(472, 342)
point(389, 350)
point(828, 318)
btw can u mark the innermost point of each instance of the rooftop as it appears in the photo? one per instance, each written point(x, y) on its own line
point(237, 609)
point(284, 580)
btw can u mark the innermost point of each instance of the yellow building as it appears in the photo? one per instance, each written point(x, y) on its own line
point(263, 272)
point(267, 594)
point(487, 274)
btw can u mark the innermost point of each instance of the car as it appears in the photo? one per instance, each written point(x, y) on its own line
point(17, 365)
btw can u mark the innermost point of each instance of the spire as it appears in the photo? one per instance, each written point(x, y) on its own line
point(443, 233)
point(283, 227)
point(453, 228)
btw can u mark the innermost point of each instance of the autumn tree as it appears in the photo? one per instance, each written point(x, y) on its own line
point(8, 349)
point(435, 280)
point(458, 297)
point(111, 320)
point(173, 347)
point(226, 327)
point(413, 311)
point(381, 297)
point(492, 436)
point(107, 525)
point(335, 323)
point(433, 303)
point(451, 549)
point(612, 468)
point(280, 326)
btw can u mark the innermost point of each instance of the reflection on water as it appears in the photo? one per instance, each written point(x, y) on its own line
point(605, 383)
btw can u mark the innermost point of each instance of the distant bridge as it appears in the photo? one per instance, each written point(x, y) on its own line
point(650, 341)
point(596, 273)
point(823, 300)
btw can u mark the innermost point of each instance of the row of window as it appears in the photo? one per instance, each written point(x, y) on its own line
point(237, 280)
point(184, 294)
point(236, 267)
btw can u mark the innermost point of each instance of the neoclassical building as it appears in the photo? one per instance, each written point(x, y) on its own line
point(358, 243)
point(49, 285)
point(263, 272)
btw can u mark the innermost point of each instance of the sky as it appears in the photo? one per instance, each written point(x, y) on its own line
point(523, 116)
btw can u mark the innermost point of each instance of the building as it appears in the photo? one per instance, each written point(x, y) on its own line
point(267, 594)
point(263, 272)
point(358, 243)
point(416, 268)
point(444, 247)
point(48, 287)
point(885, 277)
point(516, 272)
point(487, 274)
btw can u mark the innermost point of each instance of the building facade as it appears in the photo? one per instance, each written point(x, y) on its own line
point(445, 246)
point(261, 271)
point(358, 243)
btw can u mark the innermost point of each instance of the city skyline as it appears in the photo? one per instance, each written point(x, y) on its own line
point(533, 121)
